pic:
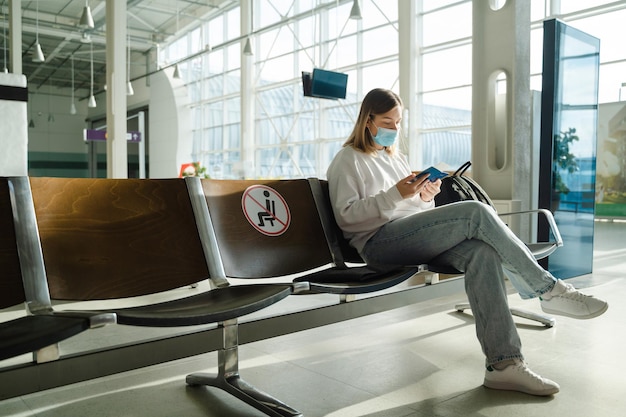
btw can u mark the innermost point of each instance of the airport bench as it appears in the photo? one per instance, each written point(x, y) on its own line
point(110, 239)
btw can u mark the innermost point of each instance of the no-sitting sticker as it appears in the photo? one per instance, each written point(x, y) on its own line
point(266, 210)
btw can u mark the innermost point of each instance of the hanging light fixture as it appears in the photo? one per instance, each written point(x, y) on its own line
point(129, 86)
point(247, 47)
point(176, 72)
point(37, 53)
point(50, 114)
point(31, 122)
point(73, 105)
point(355, 13)
point(86, 19)
point(4, 49)
point(92, 100)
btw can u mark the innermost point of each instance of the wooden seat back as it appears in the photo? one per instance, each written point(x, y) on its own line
point(115, 238)
point(257, 236)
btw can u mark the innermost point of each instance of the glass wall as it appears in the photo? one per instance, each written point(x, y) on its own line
point(569, 121)
point(295, 136)
point(445, 75)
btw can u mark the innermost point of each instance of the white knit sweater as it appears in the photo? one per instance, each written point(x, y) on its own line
point(364, 195)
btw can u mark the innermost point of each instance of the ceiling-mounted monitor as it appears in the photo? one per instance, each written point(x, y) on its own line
point(324, 84)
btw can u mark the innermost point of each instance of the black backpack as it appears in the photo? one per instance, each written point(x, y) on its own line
point(457, 187)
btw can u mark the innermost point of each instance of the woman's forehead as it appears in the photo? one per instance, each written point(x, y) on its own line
point(394, 113)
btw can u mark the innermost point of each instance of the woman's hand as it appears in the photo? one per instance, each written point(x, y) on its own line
point(410, 186)
point(430, 190)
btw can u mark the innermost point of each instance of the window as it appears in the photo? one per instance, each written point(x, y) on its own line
point(296, 136)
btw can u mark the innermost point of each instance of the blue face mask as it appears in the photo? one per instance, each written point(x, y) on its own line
point(385, 137)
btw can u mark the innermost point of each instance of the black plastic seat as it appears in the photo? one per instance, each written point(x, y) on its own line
point(32, 333)
point(214, 306)
point(343, 252)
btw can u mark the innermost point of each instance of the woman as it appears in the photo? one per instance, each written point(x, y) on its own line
point(389, 216)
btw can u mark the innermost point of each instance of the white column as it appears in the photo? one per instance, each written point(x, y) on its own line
point(407, 48)
point(555, 8)
point(142, 145)
point(15, 36)
point(117, 147)
point(501, 125)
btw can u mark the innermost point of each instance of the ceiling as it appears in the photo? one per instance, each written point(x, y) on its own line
point(55, 23)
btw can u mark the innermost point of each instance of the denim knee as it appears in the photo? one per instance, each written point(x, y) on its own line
point(482, 258)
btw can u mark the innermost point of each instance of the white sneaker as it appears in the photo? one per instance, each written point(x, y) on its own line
point(518, 377)
point(565, 300)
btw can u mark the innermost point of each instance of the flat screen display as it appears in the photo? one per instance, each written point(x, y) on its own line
point(325, 84)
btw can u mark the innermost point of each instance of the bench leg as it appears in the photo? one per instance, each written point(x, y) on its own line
point(431, 278)
point(229, 380)
point(47, 354)
point(347, 298)
point(547, 321)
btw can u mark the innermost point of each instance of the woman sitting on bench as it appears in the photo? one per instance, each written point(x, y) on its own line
point(389, 216)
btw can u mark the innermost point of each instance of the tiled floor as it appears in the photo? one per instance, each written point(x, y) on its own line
point(422, 360)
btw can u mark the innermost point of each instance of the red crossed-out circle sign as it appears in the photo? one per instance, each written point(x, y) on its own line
point(266, 210)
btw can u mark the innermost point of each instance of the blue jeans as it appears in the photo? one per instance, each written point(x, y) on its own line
point(470, 237)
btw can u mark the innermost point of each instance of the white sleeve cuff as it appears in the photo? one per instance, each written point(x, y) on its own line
point(423, 204)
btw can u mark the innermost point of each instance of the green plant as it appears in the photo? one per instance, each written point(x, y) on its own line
point(197, 171)
point(564, 160)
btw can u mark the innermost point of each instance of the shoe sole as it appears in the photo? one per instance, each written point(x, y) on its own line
point(588, 316)
point(505, 386)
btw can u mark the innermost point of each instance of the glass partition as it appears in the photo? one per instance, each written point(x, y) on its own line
point(569, 122)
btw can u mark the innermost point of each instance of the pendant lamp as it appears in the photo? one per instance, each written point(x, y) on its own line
point(86, 19)
point(31, 122)
point(355, 13)
point(4, 49)
point(176, 73)
point(129, 85)
point(247, 47)
point(92, 100)
point(37, 53)
point(73, 105)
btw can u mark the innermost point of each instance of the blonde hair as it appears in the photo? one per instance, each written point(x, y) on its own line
point(377, 101)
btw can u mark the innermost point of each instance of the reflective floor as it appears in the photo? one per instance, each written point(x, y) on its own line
point(422, 360)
